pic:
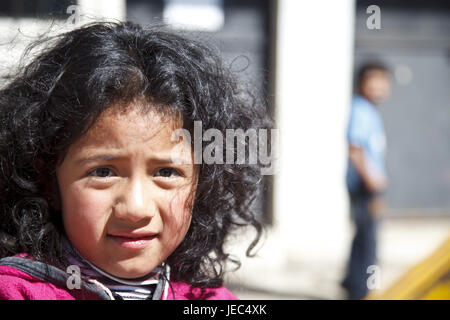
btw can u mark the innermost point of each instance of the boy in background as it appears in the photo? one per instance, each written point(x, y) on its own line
point(366, 174)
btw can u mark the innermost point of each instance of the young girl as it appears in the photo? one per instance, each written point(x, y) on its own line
point(98, 200)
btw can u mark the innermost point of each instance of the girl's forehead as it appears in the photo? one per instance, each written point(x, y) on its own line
point(130, 124)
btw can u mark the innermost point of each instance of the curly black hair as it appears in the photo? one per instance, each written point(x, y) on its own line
point(72, 79)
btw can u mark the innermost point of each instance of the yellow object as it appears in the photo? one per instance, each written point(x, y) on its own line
point(430, 279)
point(440, 292)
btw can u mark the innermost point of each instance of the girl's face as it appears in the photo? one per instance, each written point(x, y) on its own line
point(126, 206)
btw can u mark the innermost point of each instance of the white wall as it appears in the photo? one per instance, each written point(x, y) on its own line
point(109, 9)
point(313, 87)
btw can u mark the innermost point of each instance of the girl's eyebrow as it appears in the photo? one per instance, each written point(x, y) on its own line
point(100, 157)
point(103, 157)
point(169, 160)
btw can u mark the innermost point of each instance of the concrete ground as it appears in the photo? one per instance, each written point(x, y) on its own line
point(403, 242)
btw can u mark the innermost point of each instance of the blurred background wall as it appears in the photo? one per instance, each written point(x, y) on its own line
point(300, 55)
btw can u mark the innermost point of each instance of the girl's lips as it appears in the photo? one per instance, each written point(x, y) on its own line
point(133, 241)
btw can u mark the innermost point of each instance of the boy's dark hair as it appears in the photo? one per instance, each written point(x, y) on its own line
point(76, 76)
point(367, 67)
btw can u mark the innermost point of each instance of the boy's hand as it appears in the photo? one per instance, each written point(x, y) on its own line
point(377, 207)
point(377, 184)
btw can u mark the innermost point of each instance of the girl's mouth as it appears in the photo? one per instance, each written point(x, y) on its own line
point(131, 241)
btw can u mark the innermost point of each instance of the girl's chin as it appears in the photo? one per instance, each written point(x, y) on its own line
point(132, 269)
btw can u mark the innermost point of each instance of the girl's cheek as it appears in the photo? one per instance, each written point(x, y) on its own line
point(180, 214)
point(85, 208)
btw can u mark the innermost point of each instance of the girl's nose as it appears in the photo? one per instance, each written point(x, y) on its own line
point(136, 203)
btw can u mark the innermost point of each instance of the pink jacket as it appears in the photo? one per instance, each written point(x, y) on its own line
point(16, 284)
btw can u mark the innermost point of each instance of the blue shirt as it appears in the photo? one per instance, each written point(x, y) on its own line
point(366, 130)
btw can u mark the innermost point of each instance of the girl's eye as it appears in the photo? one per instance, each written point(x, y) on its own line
point(102, 172)
point(167, 172)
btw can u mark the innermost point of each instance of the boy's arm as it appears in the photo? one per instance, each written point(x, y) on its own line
point(373, 184)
